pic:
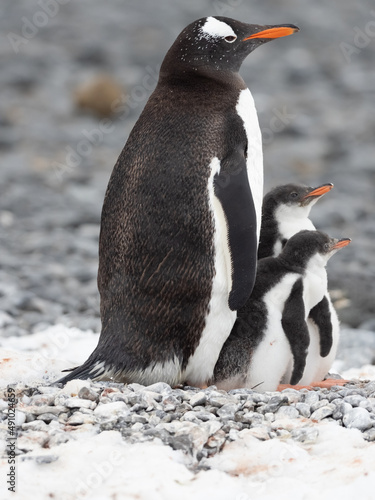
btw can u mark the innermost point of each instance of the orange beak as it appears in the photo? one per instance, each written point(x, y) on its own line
point(276, 32)
point(319, 191)
point(341, 243)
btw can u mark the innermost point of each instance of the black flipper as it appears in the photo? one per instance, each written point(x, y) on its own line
point(232, 188)
point(296, 331)
point(321, 315)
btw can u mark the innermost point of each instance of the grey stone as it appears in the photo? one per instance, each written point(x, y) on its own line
point(358, 418)
point(86, 393)
point(305, 434)
point(369, 435)
point(319, 404)
point(310, 398)
point(274, 403)
point(159, 387)
point(287, 411)
point(47, 417)
point(252, 418)
point(197, 399)
point(354, 399)
point(227, 411)
point(323, 412)
point(80, 403)
point(304, 409)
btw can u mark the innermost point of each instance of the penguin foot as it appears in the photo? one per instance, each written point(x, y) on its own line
point(323, 384)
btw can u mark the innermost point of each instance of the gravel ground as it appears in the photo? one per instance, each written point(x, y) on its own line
point(315, 96)
point(198, 422)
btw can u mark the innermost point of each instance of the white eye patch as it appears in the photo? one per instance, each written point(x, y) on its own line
point(213, 28)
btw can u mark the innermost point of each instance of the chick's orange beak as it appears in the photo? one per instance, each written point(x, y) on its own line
point(276, 32)
point(341, 243)
point(319, 191)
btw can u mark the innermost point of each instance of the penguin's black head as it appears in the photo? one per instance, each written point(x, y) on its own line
point(292, 200)
point(308, 247)
point(295, 195)
point(219, 43)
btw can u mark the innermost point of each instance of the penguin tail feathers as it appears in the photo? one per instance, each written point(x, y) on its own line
point(93, 371)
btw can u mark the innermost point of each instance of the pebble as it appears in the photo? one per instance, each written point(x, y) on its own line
point(305, 435)
point(287, 411)
point(79, 403)
point(198, 399)
point(358, 418)
point(110, 410)
point(323, 412)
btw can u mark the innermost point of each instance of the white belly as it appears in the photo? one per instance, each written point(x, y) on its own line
point(289, 226)
point(220, 318)
point(316, 366)
point(272, 358)
point(246, 110)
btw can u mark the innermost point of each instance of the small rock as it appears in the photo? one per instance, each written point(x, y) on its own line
point(87, 393)
point(304, 409)
point(73, 387)
point(305, 434)
point(190, 416)
point(358, 418)
point(137, 426)
point(287, 411)
point(216, 440)
point(42, 399)
point(369, 435)
point(39, 410)
point(319, 404)
point(282, 433)
point(261, 433)
point(310, 398)
point(275, 403)
point(111, 410)
point(47, 417)
point(354, 399)
point(159, 387)
point(323, 412)
point(197, 399)
point(80, 403)
point(227, 411)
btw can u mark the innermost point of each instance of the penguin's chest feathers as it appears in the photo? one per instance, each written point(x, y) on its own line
point(219, 319)
point(246, 110)
point(289, 223)
point(314, 285)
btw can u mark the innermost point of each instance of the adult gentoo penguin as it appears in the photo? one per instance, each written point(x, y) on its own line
point(269, 341)
point(285, 211)
point(181, 215)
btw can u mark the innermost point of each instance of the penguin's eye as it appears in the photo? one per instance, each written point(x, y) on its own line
point(327, 247)
point(230, 38)
point(293, 195)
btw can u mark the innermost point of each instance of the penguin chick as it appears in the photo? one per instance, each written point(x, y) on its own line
point(269, 341)
point(286, 211)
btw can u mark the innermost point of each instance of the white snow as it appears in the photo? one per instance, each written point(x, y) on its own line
point(339, 464)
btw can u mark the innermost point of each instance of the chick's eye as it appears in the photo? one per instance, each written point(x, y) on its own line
point(230, 38)
point(293, 195)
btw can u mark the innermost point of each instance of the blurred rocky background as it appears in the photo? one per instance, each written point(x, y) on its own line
point(74, 77)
